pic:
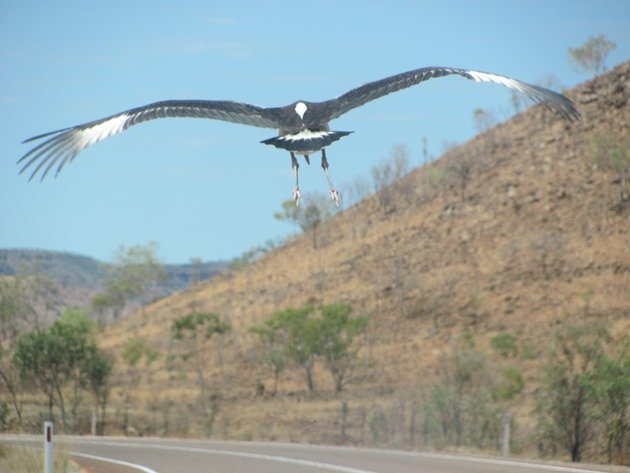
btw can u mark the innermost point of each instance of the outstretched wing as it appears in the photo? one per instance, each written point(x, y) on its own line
point(373, 90)
point(61, 146)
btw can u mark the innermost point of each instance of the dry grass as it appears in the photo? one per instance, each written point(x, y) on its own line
point(30, 460)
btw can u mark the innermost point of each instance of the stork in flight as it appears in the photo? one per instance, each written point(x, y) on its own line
point(303, 127)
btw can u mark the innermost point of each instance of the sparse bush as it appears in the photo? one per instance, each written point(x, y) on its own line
point(510, 385)
point(426, 156)
point(356, 191)
point(386, 177)
point(591, 56)
point(436, 174)
point(193, 333)
point(517, 100)
point(460, 410)
point(613, 154)
point(484, 119)
point(378, 425)
point(505, 344)
point(462, 167)
point(249, 256)
point(133, 352)
point(315, 209)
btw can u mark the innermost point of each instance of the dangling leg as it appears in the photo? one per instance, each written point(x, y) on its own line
point(296, 189)
point(333, 192)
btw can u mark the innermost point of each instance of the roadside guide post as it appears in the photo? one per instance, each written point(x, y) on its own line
point(48, 447)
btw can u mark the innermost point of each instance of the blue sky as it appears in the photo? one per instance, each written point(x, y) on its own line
point(203, 188)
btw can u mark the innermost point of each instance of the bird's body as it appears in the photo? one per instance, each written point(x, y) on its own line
point(303, 126)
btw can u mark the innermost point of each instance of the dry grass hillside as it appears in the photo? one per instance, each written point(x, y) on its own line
point(518, 231)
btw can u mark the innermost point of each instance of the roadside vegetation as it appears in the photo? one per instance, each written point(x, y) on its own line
point(29, 460)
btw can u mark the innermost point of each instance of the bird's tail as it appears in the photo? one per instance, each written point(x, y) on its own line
point(306, 141)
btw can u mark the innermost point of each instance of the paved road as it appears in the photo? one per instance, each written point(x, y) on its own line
point(200, 456)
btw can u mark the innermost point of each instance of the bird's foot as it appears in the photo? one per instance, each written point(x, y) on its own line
point(335, 196)
point(296, 196)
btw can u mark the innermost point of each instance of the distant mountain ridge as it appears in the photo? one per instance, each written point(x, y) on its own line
point(83, 276)
point(68, 269)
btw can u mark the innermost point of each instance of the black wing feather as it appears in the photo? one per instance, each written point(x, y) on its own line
point(63, 145)
point(374, 90)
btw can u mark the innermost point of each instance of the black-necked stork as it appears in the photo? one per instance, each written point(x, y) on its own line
point(303, 127)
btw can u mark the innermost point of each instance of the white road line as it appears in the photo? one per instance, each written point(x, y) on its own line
point(230, 453)
point(276, 458)
point(496, 461)
point(116, 462)
point(446, 456)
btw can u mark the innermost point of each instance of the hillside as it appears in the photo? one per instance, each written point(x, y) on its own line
point(518, 231)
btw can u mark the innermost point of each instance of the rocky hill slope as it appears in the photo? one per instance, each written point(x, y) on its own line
point(518, 230)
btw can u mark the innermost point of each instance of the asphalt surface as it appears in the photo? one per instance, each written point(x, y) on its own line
point(201, 456)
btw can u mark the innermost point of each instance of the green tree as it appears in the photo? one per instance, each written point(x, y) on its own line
point(566, 402)
point(33, 359)
point(25, 300)
point(97, 369)
point(53, 357)
point(194, 332)
point(9, 377)
point(273, 345)
point(136, 274)
point(11, 304)
point(591, 56)
point(77, 329)
point(302, 340)
point(338, 332)
point(299, 330)
point(304, 335)
point(609, 385)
